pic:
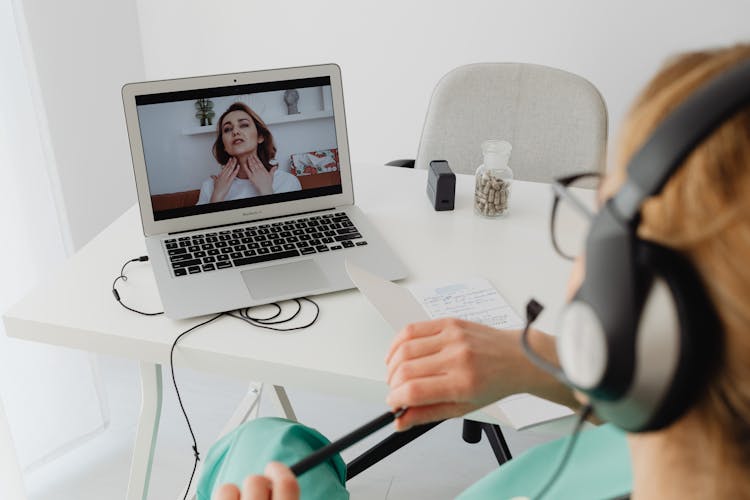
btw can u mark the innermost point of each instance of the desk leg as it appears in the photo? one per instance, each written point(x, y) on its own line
point(148, 427)
point(284, 403)
point(247, 409)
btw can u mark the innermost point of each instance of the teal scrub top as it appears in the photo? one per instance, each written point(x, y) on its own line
point(599, 467)
point(251, 446)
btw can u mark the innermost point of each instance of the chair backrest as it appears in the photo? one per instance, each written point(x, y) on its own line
point(556, 121)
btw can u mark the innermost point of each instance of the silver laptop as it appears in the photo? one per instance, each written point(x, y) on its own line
point(245, 189)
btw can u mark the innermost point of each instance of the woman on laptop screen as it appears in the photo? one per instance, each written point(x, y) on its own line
point(245, 150)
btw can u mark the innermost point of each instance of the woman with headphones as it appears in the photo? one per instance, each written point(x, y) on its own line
point(656, 335)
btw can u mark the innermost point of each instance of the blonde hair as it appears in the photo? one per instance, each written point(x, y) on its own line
point(704, 212)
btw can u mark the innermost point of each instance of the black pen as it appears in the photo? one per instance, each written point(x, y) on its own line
point(328, 451)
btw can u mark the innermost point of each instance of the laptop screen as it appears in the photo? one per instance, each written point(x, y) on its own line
point(224, 148)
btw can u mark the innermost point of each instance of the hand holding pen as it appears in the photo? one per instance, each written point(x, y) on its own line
point(355, 436)
point(280, 483)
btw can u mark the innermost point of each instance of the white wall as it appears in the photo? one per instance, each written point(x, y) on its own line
point(49, 393)
point(82, 52)
point(393, 52)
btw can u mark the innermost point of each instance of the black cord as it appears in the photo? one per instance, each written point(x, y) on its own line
point(533, 309)
point(196, 454)
point(242, 314)
point(246, 313)
point(585, 413)
point(267, 321)
point(142, 258)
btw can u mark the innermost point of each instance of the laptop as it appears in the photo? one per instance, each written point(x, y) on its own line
point(245, 189)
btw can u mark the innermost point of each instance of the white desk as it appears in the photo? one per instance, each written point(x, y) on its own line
point(342, 354)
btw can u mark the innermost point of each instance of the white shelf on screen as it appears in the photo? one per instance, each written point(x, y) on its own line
point(273, 120)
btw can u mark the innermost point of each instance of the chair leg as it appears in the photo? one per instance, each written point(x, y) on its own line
point(386, 447)
point(472, 431)
point(283, 403)
point(498, 443)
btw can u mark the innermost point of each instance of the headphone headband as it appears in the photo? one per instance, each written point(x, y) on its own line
point(679, 133)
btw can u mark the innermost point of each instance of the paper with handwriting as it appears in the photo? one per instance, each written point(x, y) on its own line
point(474, 299)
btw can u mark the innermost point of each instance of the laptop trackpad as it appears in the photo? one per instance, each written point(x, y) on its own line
point(299, 277)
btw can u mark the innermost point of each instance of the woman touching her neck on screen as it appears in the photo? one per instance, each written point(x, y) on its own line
point(245, 149)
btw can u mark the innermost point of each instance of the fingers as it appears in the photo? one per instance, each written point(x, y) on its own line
point(255, 166)
point(278, 483)
point(231, 165)
point(411, 350)
point(430, 413)
point(256, 488)
point(250, 167)
point(234, 169)
point(227, 492)
point(426, 366)
point(439, 388)
point(261, 178)
point(417, 330)
point(228, 171)
point(285, 485)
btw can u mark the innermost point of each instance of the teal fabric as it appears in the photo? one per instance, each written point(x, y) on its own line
point(599, 468)
point(249, 448)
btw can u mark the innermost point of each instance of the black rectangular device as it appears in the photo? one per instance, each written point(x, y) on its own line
point(441, 185)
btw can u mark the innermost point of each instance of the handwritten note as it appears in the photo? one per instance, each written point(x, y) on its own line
point(474, 299)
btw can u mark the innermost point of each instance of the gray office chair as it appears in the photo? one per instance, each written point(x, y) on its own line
point(555, 120)
point(557, 124)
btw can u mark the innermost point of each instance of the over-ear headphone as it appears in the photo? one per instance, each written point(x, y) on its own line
point(641, 337)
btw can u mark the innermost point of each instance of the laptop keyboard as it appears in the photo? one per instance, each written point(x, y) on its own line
point(214, 250)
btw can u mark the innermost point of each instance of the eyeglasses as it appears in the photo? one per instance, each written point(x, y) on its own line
point(573, 210)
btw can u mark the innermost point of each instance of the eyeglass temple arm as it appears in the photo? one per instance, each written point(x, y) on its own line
point(562, 192)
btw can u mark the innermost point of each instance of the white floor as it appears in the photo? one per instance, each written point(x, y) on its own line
point(437, 465)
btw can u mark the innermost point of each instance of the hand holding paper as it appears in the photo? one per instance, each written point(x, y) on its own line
point(446, 367)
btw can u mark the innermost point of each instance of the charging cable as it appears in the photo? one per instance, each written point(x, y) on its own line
point(142, 258)
point(268, 323)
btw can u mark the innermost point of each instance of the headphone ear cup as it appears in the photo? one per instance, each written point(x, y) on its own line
point(699, 333)
point(582, 346)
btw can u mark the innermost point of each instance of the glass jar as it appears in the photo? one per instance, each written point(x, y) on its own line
point(493, 180)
